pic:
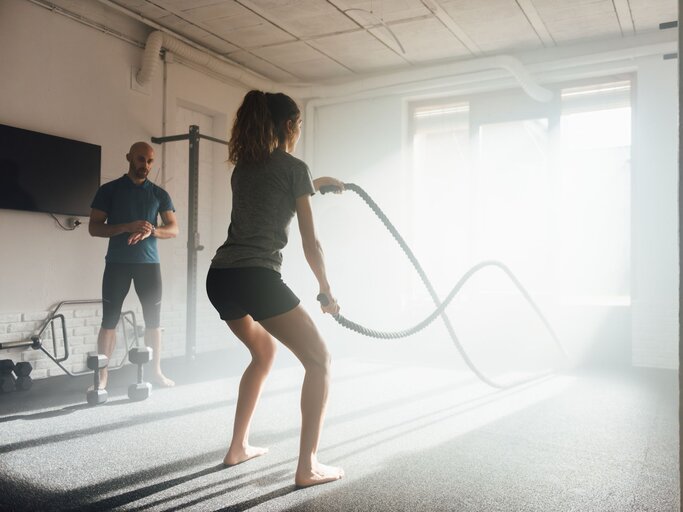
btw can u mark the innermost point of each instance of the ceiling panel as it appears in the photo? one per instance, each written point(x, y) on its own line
point(197, 34)
point(647, 15)
point(579, 19)
point(302, 60)
point(262, 67)
point(130, 4)
point(179, 25)
point(133, 5)
point(185, 5)
point(247, 30)
point(302, 18)
point(188, 30)
point(493, 25)
point(212, 11)
point(359, 51)
point(423, 40)
point(216, 43)
point(148, 10)
point(387, 11)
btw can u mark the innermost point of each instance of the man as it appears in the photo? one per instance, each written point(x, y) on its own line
point(125, 211)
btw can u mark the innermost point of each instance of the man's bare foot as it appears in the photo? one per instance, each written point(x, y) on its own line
point(162, 381)
point(319, 474)
point(242, 454)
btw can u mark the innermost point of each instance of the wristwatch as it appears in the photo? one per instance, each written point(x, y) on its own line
point(154, 230)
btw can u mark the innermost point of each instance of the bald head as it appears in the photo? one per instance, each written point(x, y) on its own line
point(140, 158)
point(140, 146)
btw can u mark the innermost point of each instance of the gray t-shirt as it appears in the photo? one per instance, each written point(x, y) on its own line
point(263, 205)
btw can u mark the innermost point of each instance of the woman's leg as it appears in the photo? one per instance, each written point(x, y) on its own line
point(262, 347)
point(296, 330)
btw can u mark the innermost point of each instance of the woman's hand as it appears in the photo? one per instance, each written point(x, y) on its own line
point(328, 304)
point(327, 181)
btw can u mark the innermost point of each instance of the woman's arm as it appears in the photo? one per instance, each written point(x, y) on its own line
point(313, 250)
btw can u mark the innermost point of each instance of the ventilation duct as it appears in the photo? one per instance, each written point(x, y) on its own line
point(158, 40)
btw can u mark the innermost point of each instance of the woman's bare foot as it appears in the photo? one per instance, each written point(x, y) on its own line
point(242, 454)
point(162, 381)
point(319, 474)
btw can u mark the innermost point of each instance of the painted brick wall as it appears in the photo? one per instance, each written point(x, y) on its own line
point(82, 326)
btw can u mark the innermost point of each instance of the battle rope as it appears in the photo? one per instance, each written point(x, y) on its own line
point(440, 306)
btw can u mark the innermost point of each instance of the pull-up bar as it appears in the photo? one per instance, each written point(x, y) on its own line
point(192, 234)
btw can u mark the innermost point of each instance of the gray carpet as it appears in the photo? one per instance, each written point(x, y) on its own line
point(410, 437)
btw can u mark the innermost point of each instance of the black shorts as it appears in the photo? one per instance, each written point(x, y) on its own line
point(115, 285)
point(256, 291)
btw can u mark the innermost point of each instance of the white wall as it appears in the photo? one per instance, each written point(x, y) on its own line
point(63, 78)
point(655, 297)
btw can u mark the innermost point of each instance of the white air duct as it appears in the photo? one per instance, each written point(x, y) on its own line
point(158, 39)
point(414, 76)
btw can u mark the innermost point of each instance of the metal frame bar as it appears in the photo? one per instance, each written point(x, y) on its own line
point(35, 342)
point(193, 245)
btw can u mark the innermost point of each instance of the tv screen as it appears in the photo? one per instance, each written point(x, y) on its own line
point(44, 173)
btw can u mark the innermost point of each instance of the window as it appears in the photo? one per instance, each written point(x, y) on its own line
point(544, 188)
point(594, 213)
point(440, 190)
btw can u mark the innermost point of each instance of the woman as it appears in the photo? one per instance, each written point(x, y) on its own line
point(269, 186)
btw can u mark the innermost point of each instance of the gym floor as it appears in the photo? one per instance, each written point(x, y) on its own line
point(410, 437)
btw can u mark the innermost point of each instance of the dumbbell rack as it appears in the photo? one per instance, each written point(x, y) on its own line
point(36, 342)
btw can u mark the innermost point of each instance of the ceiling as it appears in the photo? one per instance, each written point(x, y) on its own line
point(322, 40)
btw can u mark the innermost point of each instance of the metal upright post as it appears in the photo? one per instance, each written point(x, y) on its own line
point(192, 245)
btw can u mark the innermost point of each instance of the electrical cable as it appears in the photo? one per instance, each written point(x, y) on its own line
point(440, 305)
point(76, 223)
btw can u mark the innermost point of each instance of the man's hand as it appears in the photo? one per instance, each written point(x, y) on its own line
point(137, 237)
point(139, 230)
point(139, 226)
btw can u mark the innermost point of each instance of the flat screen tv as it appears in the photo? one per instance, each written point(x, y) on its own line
point(44, 173)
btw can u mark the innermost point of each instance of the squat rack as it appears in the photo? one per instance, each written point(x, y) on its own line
point(193, 246)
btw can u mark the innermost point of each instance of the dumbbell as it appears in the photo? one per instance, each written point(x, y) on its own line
point(96, 362)
point(140, 390)
point(7, 380)
point(23, 371)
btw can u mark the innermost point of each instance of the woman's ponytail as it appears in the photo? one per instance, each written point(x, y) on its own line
point(253, 136)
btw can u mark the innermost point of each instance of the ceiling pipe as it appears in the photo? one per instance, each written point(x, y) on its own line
point(158, 40)
point(146, 21)
point(600, 64)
